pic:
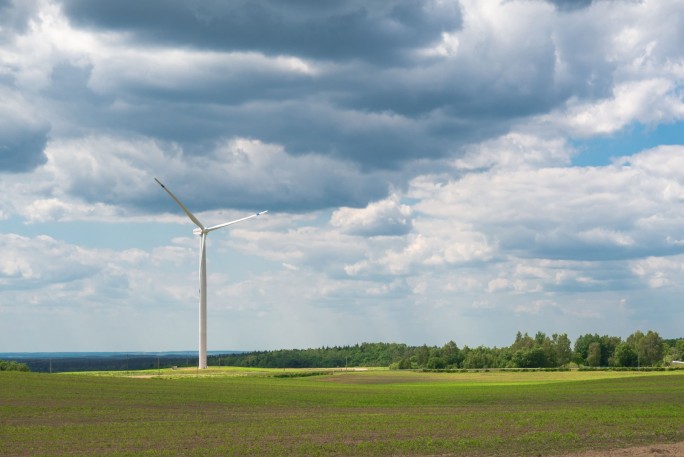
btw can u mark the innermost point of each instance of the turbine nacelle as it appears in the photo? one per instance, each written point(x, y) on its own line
point(198, 231)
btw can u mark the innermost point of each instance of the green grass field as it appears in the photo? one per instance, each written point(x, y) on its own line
point(373, 413)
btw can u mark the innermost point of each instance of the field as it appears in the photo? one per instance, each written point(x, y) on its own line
point(250, 412)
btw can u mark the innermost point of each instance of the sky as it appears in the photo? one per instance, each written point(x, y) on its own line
point(434, 170)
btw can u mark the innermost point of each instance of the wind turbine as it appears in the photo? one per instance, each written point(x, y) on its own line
point(203, 231)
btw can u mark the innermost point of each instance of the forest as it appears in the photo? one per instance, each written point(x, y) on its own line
point(639, 350)
point(539, 351)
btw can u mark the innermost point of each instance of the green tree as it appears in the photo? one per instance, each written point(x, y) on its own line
point(674, 350)
point(633, 339)
point(481, 357)
point(436, 363)
point(594, 354)
point(422, 355)
point(607, 348)
point(549, 349)
point(608, 345)
point(582, 347)
point(625, 356)
point(680, 349)
point(405, 364)
point(522, 342)
point(538, 352)
point(562, 348)
point(451, 354)
point(529, 358)
point(13, 366)
point(650, 349)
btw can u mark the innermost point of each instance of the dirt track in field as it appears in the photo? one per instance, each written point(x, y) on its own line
point(676, 449)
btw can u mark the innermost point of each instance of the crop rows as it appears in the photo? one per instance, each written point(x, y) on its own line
point(374, 413)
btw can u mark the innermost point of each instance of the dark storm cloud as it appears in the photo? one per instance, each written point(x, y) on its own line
point(376, 87)
point(21, 147)
point(304, 113)
point(376, 117)
point(372, 95)
point(23, 135)
point(374, 141)
point(378, 31)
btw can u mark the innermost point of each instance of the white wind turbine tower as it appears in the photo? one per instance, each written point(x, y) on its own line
point(203, 231)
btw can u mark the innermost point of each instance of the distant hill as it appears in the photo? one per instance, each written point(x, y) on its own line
point(56, 362)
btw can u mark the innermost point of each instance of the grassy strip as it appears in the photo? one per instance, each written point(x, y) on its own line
point(361, 414)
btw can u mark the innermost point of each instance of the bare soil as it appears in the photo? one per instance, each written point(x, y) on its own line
point(674, 449)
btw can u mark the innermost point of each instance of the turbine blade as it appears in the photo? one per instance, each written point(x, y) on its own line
point(235, 221)
point(187, 211)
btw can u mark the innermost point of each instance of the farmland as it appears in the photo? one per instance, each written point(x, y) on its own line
point(375, 412)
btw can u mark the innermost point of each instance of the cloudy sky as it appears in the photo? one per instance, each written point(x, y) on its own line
point(434, 170)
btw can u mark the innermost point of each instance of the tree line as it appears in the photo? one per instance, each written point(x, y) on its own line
point(11, 365)
point(117, 362)
point(538, 351)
